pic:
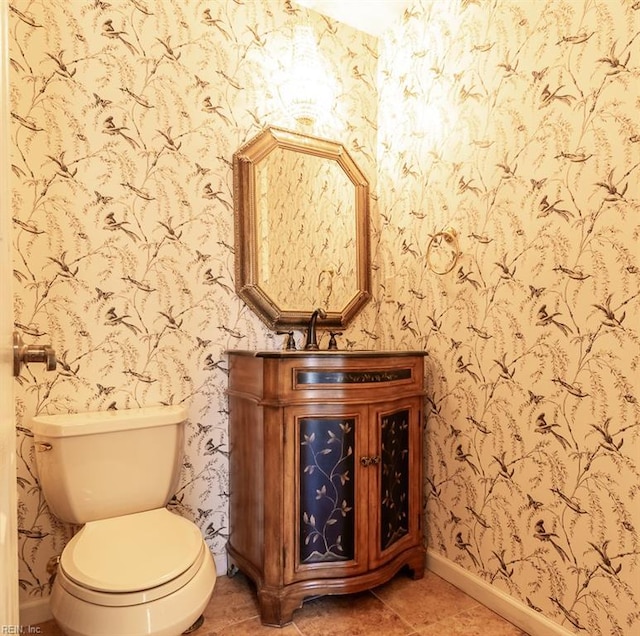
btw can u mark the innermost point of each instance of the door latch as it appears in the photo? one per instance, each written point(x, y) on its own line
point(24, 354)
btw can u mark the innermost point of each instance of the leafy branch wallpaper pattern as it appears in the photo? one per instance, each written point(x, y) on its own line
point(519, 129)
point(514, 122)
point(125, 118)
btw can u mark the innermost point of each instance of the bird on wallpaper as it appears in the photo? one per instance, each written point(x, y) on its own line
point(461, 544)
point(407, 324)
point(545, 209)
point(211, 21)
point(28, 227)
point(24, 17)
point(30, 125)
point(30, 330)
point(571, 503)
point(610, 319)
point(465, 277)
point(548, 96)
point(141, 7)
point(479, 425)
point(290, 9)
point(481, 238)
point(574, 157)
point(212, 449)
point(543, 427)
point(575, 274)
point(542, 535)
point(504, 468)
point(139, 192)
point(607, 443)
point(545, 319)
point(172, 235)
point(142, 101)
point(113, 320)
point(208, 107)
point(580, 38)
point(230, 81)
point(463, 186)
point(502, 564)
point(109, 31)
point(570, 616)
point(112, 225)
point(109, 128)
point(461, 456)
point(168, 49)
point(509, 68)
point(539, 75)
point(212, 533)
point(210, 279)
point(211, 365)
point(574, 389)
point(479, 518)
point(141, 286)
point(65, 270)
point(172, 322)
point(606, 564)
point(505, 372)
point(209, 193)
point(142, 377)
point(479, 332)
point(62, 69)
point(462, 367)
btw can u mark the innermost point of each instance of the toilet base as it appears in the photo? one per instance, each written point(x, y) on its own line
point(167, 616)
point(197, 625)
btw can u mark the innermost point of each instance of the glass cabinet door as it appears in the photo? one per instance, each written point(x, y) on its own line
point(395, 487)
point(326, 491)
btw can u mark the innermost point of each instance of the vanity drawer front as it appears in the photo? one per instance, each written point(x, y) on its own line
point(351, 379)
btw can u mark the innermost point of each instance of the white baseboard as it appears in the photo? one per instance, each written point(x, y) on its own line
point(37, 611)
point(516, 612)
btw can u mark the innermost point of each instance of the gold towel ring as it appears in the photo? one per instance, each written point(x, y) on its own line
point(450, 238)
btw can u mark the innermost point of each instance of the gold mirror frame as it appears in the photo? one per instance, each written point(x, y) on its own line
point(247, 256)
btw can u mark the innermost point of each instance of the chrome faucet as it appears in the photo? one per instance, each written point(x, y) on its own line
point(312, 344)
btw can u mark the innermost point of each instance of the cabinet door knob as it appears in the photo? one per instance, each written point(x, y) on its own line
point(365, 461)
point(375, 459)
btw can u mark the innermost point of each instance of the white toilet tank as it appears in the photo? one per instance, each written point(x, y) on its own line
point(106, 464)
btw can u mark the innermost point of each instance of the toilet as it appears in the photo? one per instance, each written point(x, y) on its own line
point(134, 568)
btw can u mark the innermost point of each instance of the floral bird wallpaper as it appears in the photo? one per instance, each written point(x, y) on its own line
point(125, 118)
point(512, 122)
point(519, 129)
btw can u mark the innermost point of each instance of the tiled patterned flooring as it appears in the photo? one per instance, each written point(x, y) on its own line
point(401, 607)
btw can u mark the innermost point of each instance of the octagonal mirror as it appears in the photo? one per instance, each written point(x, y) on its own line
point(301, 229)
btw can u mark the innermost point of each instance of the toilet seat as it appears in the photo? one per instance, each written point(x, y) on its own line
point(132, 559)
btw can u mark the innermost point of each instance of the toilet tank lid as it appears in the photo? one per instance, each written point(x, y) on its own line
point(90, 423)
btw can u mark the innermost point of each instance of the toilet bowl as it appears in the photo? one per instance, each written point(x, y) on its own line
point(146, 573)
point(130, 570)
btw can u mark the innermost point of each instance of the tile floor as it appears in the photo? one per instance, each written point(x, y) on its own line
point(401, 607)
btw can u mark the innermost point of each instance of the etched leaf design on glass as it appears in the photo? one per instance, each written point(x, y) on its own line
point(326, 489)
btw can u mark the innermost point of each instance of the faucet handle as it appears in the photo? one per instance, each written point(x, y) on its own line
point(291, 342)
point(333, 344)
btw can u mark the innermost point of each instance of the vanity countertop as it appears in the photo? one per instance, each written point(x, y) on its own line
point(340, 353)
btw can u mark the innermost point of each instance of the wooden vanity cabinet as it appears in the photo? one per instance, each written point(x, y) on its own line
point(325, 472)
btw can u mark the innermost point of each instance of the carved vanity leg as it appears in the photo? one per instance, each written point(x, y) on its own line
point(416, 564)
point(276, 610)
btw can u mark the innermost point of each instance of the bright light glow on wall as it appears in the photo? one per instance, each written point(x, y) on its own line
point(307, 90)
